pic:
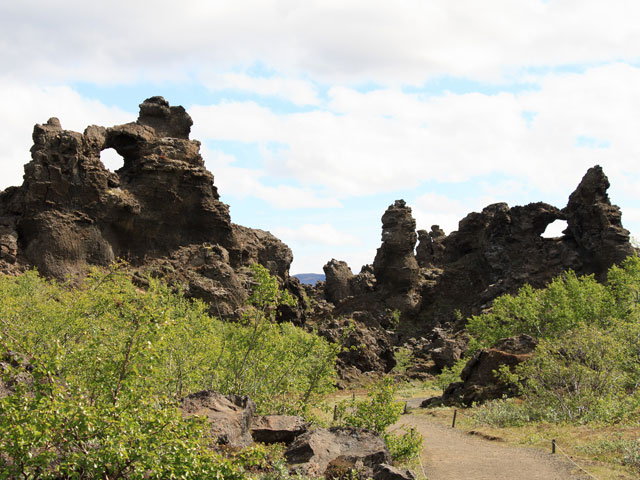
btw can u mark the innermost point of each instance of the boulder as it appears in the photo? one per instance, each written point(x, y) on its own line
point(229, 416)
point(479, 382)
point(389, 472)
point(316, 451)
point(277, 428)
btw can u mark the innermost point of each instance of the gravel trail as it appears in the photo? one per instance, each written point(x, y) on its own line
point(450, 454)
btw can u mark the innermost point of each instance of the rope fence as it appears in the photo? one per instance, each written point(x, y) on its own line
point(554, 447)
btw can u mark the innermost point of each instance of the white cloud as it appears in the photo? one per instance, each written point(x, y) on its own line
point(405, 41)
point(297, 91)
point(316, 234)
point(434, 209)
point(386, 140)
point(247, 182)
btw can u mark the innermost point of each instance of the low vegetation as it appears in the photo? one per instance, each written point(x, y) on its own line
point(95, 374)
point(377, 412)
point(586, 366)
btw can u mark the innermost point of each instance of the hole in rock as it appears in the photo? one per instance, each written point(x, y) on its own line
point(555, 229)
point(111, 159)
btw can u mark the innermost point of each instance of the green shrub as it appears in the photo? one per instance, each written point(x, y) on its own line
point(577, 377)
point(378, 412)
point(450, 375)
point(403, 357)
point(109, 361)
point(568, 301)
point(405, 447)
point(587, 364)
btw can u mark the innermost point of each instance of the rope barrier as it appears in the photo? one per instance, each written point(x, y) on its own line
point(424, 475)
point(571, 460)
point(555, 446)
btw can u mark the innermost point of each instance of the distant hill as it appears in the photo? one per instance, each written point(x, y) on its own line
point(310, 278)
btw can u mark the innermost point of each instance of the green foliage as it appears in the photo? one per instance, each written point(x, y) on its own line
point(108, 362)
point(587, 364)
point(504, 413)
point(623, 451)
point(568, 301)
point(282, 367)
point(403, 357)
point(577, 377)
point(50, 431)
point(450, 375)
point(378, 412)
point(405, 447)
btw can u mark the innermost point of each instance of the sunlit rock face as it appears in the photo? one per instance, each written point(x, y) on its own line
point(160, 211)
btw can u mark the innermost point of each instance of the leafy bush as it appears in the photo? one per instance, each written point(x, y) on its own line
point(587, 364)
point(405, 447)
point(577, 377)
point(450, 375)
point(108, 361)
point(378, 412)
point(567, 302)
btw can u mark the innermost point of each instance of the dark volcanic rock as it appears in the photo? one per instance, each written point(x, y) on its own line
point(395, 265)
point(479, 383)
point(338, 277)
point(493, 252)
point(229, 416)
point(343, 447)
point(429, 250)
point(278, 428)
point(389, 472)
point(446, 350)
point(160, 211)
point(595, 225)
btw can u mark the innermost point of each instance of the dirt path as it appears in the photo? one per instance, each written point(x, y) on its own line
point(450, 454)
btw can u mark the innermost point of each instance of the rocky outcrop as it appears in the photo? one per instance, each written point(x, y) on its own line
point(338, 276)
point(395, 265)
point(595, 225)
point(337, 448)
point(161, 211)
point(493, 252)
point(229, 416)
point(451, 277)
point(366, 345)
point(429, 250)
point(479, 381)
point(445, 349)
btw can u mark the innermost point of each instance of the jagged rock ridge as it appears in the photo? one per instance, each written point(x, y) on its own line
point(160, 211)
point(450, 277)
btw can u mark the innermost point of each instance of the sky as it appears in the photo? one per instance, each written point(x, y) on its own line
point(314, 116)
